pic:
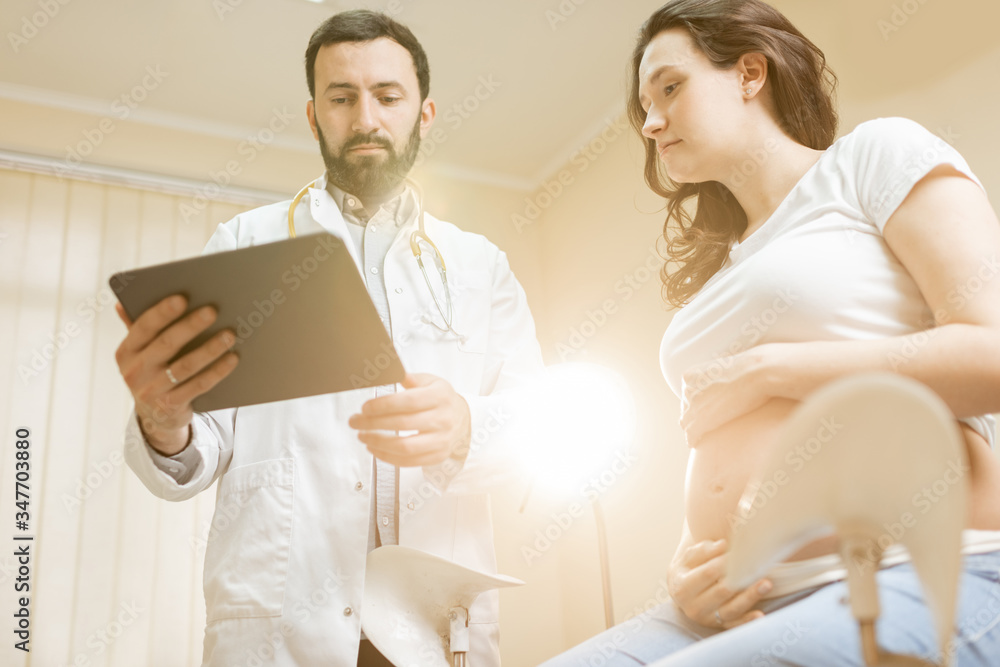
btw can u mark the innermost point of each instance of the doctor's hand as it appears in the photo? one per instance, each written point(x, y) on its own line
point(695, 583)
point(719, 391)
point(162, 398)
point(428, 405)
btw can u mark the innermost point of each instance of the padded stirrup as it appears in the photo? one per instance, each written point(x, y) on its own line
point(880, 459)
point(414, 604)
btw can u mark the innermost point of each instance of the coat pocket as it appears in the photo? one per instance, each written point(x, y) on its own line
point(246, 560)
point(472, 303)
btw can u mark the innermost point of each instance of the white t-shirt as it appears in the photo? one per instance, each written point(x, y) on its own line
point(819, 268)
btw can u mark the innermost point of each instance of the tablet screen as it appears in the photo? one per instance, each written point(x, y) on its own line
point(303, 320)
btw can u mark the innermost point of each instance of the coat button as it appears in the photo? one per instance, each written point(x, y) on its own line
point(359, 486)
point(348, 611)
point(399, 290)
point(374, 269)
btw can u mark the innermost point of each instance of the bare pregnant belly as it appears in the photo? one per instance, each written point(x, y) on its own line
point(719, 469)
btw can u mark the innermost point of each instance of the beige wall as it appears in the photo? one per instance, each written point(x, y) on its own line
point(602, 230)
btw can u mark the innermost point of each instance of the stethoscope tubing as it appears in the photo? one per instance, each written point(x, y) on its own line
point(415, 238)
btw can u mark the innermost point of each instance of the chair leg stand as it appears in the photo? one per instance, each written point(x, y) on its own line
point(869, 645)
point(459, 635)
point(861, 555)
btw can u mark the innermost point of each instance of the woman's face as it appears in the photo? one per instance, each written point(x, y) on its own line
point(694, 112)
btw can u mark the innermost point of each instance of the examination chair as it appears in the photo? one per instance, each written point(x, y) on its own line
point(416, 606)
point(896, 438)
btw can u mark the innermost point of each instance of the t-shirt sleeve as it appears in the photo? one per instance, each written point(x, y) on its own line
point(891, 155)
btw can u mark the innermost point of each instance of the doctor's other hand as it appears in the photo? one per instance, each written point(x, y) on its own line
point(163, 406)
point(695, 584)
point(428, 405)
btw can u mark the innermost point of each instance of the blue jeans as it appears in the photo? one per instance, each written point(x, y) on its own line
point(811, 628)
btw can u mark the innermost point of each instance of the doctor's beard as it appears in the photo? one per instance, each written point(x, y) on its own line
point(369, 175)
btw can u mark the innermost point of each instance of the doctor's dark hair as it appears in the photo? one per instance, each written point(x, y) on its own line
point(362, 25)
point(802, 89)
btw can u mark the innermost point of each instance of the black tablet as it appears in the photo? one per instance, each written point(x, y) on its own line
point(303, 319)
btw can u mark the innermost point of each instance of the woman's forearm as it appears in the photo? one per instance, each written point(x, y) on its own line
point(959, 362)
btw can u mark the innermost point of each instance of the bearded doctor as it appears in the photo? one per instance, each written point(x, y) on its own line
point(307, 487)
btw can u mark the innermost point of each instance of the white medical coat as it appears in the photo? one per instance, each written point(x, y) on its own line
point(285, 557)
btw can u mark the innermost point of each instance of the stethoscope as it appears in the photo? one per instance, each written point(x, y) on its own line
point(418, 236)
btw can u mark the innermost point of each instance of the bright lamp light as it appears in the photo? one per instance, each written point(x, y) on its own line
point(583, 419)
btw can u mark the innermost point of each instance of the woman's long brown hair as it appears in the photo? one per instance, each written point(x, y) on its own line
point(802, 86)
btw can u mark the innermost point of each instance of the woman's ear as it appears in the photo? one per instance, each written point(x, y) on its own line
point(752, 69)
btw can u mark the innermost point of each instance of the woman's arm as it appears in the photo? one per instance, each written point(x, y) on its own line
point(947, 237)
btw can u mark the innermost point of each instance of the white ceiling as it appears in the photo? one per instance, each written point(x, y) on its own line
point(230, 62)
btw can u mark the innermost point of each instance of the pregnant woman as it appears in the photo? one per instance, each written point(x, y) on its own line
point(796, 260)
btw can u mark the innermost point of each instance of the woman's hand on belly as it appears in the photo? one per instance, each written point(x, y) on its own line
point(696, 587)
point(724, 389)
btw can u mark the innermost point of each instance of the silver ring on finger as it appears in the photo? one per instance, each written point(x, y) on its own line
point(718, 619)
point(170, 376)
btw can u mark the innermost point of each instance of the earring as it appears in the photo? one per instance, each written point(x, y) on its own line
point(749, 91)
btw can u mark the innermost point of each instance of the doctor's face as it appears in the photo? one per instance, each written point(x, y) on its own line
point(367, 115)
